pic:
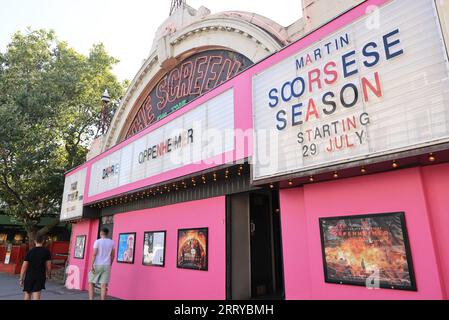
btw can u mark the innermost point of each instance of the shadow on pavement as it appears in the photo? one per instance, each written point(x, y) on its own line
point(10, 290)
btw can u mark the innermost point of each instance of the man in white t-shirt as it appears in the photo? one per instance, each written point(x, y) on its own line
point(101, 264)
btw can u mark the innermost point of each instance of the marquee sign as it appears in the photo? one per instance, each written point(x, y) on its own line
point(193, 77)
point(367, 90)
point(198, 135)
point(72, 201)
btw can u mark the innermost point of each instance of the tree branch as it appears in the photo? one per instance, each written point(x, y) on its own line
point(48, 227)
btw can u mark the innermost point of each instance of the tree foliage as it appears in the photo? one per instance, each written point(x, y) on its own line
point(49, 114)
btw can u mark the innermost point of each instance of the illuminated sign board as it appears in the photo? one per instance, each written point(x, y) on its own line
point(369, 89)
point(181, 140)
point(111, 171)
point(198, 135)
point(73, 196)
point(193, 77)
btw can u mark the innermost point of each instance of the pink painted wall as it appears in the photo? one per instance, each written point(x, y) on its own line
point(135, 281)
point(436, 182)
point(397, 191)
point(89, 228)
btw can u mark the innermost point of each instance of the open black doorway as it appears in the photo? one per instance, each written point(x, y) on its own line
point(254, 257)
point(108, 223)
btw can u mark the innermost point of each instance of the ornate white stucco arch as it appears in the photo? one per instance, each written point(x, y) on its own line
point(185, 33)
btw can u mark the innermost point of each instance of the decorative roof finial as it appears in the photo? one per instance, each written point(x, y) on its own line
point(175, 4)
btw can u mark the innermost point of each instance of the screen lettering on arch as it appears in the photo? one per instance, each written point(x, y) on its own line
point(190, 79)
point(374, 87)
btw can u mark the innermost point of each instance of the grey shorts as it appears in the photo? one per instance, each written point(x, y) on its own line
point(101, 275)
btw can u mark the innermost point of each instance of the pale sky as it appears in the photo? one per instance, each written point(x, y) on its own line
point(126, 27)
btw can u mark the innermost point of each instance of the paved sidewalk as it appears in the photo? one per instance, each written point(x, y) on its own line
point(10, 290)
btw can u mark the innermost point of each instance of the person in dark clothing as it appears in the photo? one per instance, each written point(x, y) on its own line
point(36, 269)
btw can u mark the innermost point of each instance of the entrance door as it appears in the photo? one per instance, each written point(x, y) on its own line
point(254, 257)
point(261, 246)
point(108, 223)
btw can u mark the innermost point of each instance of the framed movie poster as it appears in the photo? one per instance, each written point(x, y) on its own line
point(126, 245)
point(154, 249)
point(192, 249)
point(368, 250)
point(80, 245)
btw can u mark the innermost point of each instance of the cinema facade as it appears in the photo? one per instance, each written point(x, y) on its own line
point(240, 165)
